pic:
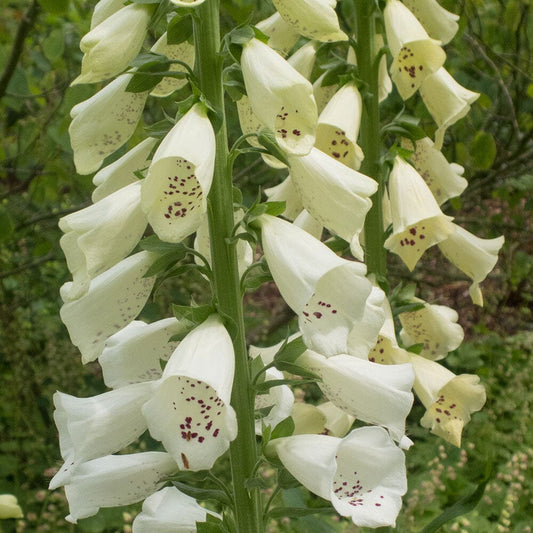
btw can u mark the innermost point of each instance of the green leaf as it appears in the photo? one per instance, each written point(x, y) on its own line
point(290, 351)
point(179, 29)
point(297, 370)
point(164, 262)
point(195, 315)
point(285, 428)
point(54, 45)
point(202, 494)
point(7, 227)
point(483, 150)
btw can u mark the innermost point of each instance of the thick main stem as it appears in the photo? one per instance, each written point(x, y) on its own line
point(375, 254)
point(243, 451)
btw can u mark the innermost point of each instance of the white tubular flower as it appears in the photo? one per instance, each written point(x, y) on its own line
point(323, 94)
point(110, 47)
point(323, 419)
point(94, 427)
point(288, 193)
point(474, 256)
point(202, 244)
point(182, 52)
point(99, 236)
point(434, 326)
point(303, 60)
point(309, 224)
point(416, 56)
point(449, 399)
point(190, 411)
point(279, 399)
point(363, 474)
point(336, 195)
point(281, 35)
point(103, 123)
point(281, 98)
point(134, 354)
point(417, 221)
point(374, 393)
point(9, 507)
point(113, 300)
point(315, 19)
point(116, 480)
point(438, 22)
point(169, 511)
point(104, 9)
point(121, 173)
point(329, 294)
point(446, 100)
point(179, 178)
point(338, 422)
point(444, 179)
point(248, 121)
point(338, 127)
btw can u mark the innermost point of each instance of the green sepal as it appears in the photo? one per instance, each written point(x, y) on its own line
point(154, 244)
point(211, 525)
point(202, 494)
point(269, 384)
point(267, 139)
point(233, 81)
point(416, 348)
point(290, 351)
point(255, 275)
point(194, 315)
point(285, 428)
point(179, 29)
point(166, 261)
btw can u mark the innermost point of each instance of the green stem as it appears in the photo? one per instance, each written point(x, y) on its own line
point(243, 450)
point(375, 254)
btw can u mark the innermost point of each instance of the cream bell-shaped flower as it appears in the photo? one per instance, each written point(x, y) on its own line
point(434, 326)
point(169, 511)
point(113, 300)
point(281, 35)
point(449, 399)
point(120, 173)
point(334, 194)
point(281, 98)
point(134, 354)
point(288, 193)
point(338, 127)
point(417, 221)
point(116, 480)
point(446, 100)
point(323, 93)
point(377, 394)
point(315, 19)
point(174, 193)
point(103, 123)
point(278, 399)
point(190, 411)
point(323, 419)
point(99, 236)
point(97, 426)
point(415, 55)
point(444, 179)
point(182, 52)
point(110, 47)
point(474, 256)
point(329, 294)
point(104, 9)
point(309, 224)
point(303, 60)
point(363, 474)
point(9, 507)
point(437, 21)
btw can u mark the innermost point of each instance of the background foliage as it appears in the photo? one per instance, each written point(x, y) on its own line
point(39, 56)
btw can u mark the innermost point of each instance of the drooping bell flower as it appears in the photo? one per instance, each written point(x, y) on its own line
point(315, 19)
point(103, 123)
point(363, 474)
point(9, 507)
point(415, 55)
point(338, 127)
point(97, 426)
point(116, 480)
point(418, 223)
point(190, 411)
point(174, 193)
point(334, 194)
point(303, 60)
point(281, 98)
point(323, 419)
point(309, 224)
point(134, 354)
point(121, 172)
point(329, 294)
point(449, 399)
point(281, 35)
point(110, 47)
point(433, 326)
point(183, 52)
point(113, 300)
point(444, 179)
point(99, 236)
point(278, 401)
point(377, 394)
point(437, 21)
point(446, 100)
point(104, 9)
point(288, 193)
point(169, 510)
point(474, 256)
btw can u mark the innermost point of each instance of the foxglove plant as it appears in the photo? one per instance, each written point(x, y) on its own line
point(189, 380)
